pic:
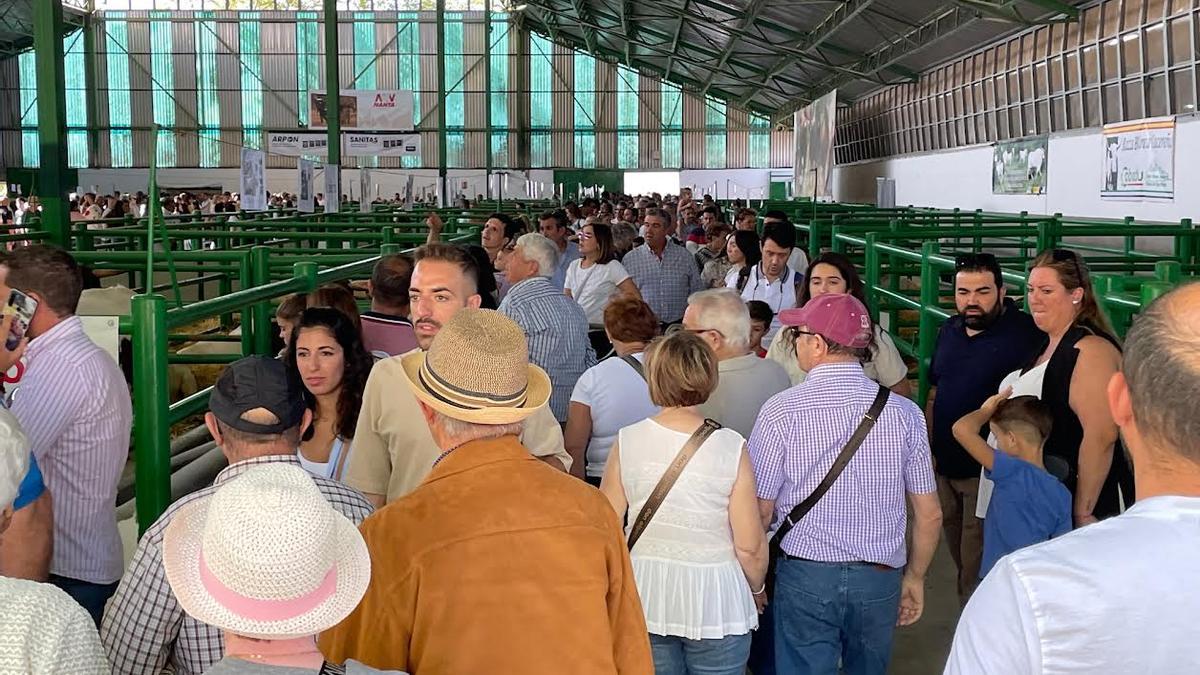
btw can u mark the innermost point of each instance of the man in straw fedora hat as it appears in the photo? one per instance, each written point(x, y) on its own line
point(393, 449)
point(266, 559)
point(480, 567)
point(256, 417)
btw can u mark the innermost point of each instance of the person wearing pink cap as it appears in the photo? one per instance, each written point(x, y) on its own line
point(834, 458)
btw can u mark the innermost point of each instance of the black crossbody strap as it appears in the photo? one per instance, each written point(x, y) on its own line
point(668, 479)
point(635, 364)
point(839, 465)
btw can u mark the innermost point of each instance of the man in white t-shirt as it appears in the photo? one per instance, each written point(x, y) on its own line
point(1119, 596)
point(745, 381)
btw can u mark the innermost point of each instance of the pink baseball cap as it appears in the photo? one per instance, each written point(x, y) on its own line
point(837, 316)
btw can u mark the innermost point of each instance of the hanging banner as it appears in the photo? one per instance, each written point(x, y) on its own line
point(364, 190)
point(316, 144)
point(253, 186)
point(815, 128)
point(304, 175)
point(1139, 159)
point(367, 109)
point(332, 189)
point(1019, 167)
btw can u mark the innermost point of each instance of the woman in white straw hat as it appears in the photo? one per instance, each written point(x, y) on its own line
point(42, 630)
point(270, 562)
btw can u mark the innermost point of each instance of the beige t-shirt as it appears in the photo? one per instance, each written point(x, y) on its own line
point(393, 449)
point(886, 367)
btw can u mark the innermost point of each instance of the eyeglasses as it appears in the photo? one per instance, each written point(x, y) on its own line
point(974, 260)
point(1066, 254)
point(793, 333)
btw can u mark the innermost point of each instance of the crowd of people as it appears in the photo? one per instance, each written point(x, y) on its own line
point(687, 450)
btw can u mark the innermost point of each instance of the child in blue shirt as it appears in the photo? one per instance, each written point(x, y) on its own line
point(1028, 505)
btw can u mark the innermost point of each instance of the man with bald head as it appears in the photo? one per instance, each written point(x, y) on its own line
point(1118, 596)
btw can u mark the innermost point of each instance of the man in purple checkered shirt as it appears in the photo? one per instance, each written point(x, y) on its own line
point(843, 583)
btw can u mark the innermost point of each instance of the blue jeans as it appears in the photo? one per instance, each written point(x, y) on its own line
point(826, 612)
point(92, 597)
point(681, 656)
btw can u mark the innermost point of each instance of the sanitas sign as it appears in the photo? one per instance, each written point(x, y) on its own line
point(316, 144)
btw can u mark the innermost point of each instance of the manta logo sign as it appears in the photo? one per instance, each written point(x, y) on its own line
point(385, 100)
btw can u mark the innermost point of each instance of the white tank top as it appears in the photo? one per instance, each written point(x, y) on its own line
point(688, 577)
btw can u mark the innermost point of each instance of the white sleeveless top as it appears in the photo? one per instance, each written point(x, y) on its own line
point(688, 577)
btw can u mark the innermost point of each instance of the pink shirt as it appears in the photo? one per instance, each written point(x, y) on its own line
point(387, 335)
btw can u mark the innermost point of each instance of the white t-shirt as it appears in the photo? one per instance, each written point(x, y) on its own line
point(798, 261)
point(594, 286)
point(618, 397)
point(1116, 597)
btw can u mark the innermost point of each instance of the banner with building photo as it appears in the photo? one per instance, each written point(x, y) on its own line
point(316, 144)
point(252, 188)
point(815, 126)
point(332, 189)
point(368, 109)
point(1139, 159)
point(1019, 167)
point(304, 176)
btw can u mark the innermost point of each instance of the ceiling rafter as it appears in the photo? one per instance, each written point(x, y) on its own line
point(747, 21)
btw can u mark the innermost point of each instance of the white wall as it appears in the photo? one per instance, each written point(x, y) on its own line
point(728, 183)
point(963, 178)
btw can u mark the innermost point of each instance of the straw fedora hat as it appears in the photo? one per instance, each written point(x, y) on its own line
point(266, 556)
point(477, 370)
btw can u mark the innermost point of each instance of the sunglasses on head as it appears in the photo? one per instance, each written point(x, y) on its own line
point(1065, 255)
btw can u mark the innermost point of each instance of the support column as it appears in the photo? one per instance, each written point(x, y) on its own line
point(52, 185)
point(333, 88)
point(93, 91)
point(487, 87)
point(441, 118)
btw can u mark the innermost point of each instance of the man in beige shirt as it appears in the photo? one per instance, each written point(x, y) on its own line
point(393, 449)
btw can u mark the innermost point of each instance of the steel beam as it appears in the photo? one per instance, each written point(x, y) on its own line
point(487, 105)
point(52, 120)
point(93, 92)
point(333, 89)
point(675, 40)
point(627, 27)
point(443, 145)
point(746, 22)
point(582, 14)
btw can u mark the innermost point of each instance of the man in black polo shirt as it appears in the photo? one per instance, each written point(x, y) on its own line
point(988, 339)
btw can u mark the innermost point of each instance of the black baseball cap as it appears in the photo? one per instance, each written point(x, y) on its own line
point(257, 382)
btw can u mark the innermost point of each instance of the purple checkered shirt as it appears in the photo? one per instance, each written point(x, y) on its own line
point(795, 440)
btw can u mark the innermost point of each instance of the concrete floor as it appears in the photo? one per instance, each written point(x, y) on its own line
point(921, 649)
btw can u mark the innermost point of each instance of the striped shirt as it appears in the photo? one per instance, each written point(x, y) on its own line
point(798, 435)
point(557, 330)
point(74, 406)
point(145, 628)
point(666, 282)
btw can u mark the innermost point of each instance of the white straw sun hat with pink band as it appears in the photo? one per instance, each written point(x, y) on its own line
point(266, 556)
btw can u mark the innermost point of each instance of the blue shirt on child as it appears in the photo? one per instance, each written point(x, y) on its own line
point(1028, 506)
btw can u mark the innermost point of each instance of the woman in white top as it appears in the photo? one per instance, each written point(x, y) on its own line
point(595, 278)
point(613, 393)
point(834, 273)
point(327, 354)
point(700, 565)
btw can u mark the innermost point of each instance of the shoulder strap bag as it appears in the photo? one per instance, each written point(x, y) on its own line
point(635, 364)
point(664, 484)
point(839, 465)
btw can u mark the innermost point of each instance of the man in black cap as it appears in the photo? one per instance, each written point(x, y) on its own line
point(257, 415)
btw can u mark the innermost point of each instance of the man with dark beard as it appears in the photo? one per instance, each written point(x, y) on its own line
point(989, 338)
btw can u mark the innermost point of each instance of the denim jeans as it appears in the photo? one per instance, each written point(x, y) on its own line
point(681, 656)
point(92, 597)
point(826, 612)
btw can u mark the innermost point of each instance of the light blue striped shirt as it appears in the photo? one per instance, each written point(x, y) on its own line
point(557, 330)
point(74, 406)
point(666, 282)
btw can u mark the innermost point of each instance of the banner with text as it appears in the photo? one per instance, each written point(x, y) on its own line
point(332, 188)
point(316, 144)
point(367, 109)
point(305, 202)
point(1019, 167)
point(253, 184)
point(815, 127)
point(1139, 159)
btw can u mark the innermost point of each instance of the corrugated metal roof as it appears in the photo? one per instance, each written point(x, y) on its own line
point(774, 56)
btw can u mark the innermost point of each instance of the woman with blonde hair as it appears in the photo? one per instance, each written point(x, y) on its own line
point(700, 563)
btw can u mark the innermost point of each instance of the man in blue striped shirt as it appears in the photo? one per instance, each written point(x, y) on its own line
point(664, 272)
point(555, 325)
point(844, 581)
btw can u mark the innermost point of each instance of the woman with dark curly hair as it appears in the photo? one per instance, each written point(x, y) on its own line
point(326, 353)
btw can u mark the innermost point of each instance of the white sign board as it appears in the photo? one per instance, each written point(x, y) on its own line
point(316, 144)
point(253, 185)
point(366, 109)
point(304, 176)
point(364, 190)
point(1139, 159)
point(815, 128)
